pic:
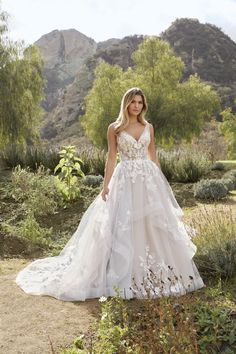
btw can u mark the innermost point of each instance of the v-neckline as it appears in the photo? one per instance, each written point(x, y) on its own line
point(132, 135)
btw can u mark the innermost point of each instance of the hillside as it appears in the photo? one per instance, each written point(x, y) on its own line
point(71, 57)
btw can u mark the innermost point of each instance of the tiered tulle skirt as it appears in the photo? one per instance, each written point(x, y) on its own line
point(135, 241)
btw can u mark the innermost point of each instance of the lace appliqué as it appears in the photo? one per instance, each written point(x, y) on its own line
point(134, 155)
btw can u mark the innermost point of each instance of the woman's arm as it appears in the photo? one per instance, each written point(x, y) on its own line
point(111, 159)
point(152, 148)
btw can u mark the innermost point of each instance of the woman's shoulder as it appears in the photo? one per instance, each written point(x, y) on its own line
point(111, 127)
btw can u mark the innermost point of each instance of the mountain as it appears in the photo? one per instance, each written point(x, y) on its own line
point(204, 48)
point(63, 53)
point(71, 58)
point(70, 104)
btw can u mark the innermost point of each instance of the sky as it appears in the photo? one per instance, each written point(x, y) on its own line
point(104, 19)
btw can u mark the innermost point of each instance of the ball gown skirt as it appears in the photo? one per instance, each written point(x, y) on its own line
point(135, 241)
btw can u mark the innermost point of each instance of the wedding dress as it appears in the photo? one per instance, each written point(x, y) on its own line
point(134, 240)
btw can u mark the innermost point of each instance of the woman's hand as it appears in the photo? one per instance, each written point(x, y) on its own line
point(104, 193)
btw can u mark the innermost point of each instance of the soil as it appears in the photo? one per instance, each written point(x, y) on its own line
point(29, 323)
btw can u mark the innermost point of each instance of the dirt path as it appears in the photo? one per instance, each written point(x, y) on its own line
point(27, 322)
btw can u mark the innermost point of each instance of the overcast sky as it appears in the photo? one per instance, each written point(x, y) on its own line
point(104, 19)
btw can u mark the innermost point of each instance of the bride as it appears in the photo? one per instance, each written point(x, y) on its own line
point(132, 236)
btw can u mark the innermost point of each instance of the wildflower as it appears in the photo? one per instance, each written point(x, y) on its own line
point(102, 299)
point(104, 315)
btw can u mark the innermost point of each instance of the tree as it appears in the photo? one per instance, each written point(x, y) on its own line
point(21, 90)
point(228, 128)
point(176, 109)
point(102, 102)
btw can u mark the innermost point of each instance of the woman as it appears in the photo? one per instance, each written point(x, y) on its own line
point(131, 236)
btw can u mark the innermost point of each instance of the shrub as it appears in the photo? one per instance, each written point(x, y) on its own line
point(232, 176)
point(213, 189)
point(36, 192)
point(229, 183)
point(219, 166)
point(215, 231)
point(183, 165)
point(93, 181)
point(216, 328)
point(29, 229)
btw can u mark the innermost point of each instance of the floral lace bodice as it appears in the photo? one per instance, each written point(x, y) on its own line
point(131, 149)
point(134, 155)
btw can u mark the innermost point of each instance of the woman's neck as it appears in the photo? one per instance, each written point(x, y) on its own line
point(133, 119)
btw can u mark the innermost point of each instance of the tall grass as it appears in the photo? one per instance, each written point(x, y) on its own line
point(183, 165)
point(215, 238)
point(31, 156)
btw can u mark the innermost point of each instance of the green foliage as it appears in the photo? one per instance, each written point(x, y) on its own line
point(228, 128)
point(177, 110)
point(112, 328)
point(30, 229)
point(30, 156)
point(94, 161)
point(183, 165)
point(78, 347)
point(197, 323)
point(66, 181)
point(216, 328)
point(36, 192)
point(102, 102)
point(36, 195)
point(216, 242)
point(21, 90)
point(212, 189)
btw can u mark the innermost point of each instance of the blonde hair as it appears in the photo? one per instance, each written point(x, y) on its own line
point(123, 119)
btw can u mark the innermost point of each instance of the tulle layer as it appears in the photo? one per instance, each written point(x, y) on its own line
point(138, 230)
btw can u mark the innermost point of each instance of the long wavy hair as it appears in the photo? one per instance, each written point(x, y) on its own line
point(123, 119)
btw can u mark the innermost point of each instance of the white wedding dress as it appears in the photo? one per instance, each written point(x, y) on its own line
point(137, 234)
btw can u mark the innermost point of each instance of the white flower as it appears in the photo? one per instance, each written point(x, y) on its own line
point(104, 315)
point(102, 299)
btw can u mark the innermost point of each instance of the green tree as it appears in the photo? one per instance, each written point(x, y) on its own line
point(102, 102)
point(228, 128)
point(176, 109)
point(21, 90)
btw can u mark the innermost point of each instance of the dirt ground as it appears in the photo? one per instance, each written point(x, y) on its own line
point(28, 323)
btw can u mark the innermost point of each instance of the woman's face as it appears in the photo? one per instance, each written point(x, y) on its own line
point(136, 105)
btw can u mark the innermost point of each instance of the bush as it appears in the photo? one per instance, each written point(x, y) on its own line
point(216, 328)
point(232, 176)
point(229, 183)
point(36, 195)
point(219, 166)
point(93, 181)
point(212, 189)
point(183, 165)
point(215, 239)
point(36, 192)
point(31, 230)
